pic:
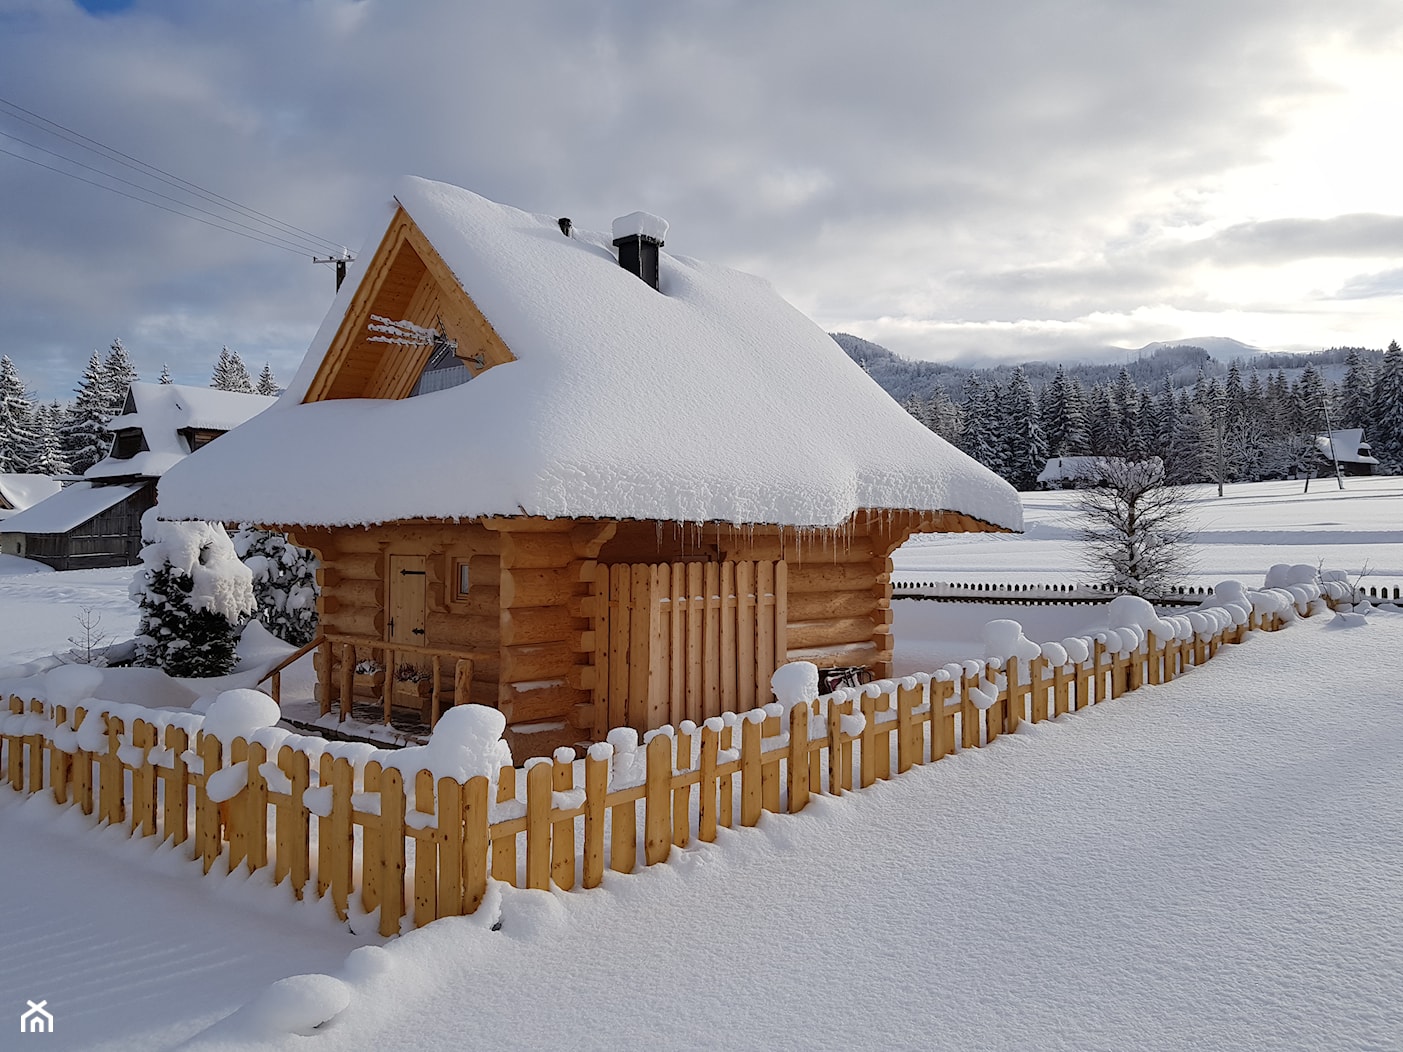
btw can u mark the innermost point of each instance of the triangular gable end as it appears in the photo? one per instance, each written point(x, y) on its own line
point(406, 280)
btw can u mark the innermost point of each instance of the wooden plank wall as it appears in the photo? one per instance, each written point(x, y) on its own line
point(416, 848)
point(686, 641)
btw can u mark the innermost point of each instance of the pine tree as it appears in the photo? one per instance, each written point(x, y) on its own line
point(1103, 436)
point(979, 435)
point(1387, 442)
point(943, 416)
point(1064, 416)
point(118, 376)
point(230, 373)
point(284, 583)
point(16, 420)
point(266, 384)
point(1025, 448)
point(48, 458)
point(165, 377)
point(85, 437)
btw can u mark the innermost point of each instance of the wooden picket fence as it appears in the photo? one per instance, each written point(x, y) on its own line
point(363, 834)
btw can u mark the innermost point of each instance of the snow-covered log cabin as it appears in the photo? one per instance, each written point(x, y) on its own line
point(590, 483)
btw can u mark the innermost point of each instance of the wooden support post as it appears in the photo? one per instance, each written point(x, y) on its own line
point(657, 801)
point(346, 688)
point(798, 760)
point(462, 681)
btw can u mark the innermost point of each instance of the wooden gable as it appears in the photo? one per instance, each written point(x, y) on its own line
point(405, 280)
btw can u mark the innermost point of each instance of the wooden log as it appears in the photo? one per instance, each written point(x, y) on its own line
point(1155, 660)
point(729, 680)
point(657, 801)
point(1061, 704)
point(831, 633)
point(832, 577)
point(825, 606)
point(620, 624)
point(454, 629)
point(544, 587)
point(883, 703)
point(596, 790)
point(536, 624)
point(392, 833)
point(82, 769)
point(537, 550)
point(711, 643)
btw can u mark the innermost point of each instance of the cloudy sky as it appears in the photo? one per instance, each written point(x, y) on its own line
point(956, 179)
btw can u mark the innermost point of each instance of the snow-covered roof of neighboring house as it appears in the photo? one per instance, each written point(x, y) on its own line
point(19, 491)
point(161, 412)
point(707, 399)
point(1348, 446)
point(69, 507)
point(1068, 469)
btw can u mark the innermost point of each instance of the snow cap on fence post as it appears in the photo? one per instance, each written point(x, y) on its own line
point(465, 742)
point(795, 683)
point(238, 713)
point(1005, 640)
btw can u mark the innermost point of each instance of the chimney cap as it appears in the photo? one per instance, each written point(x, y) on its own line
point(640, 224)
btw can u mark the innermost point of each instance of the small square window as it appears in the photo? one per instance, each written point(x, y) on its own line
point(461, 578)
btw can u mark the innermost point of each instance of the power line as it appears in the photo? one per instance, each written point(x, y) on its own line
point(283, 242)
point(152, 171)
point(153, 204)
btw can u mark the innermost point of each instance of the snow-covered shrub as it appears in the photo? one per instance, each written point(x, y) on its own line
point(284, 583)
point(194, 596)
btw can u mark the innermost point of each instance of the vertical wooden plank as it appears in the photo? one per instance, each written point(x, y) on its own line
point(728, 636)
point(208, 836)
point(562, 839)
point(969, 712)
point(1016, 705)
point(463, 682)
point(538, 816)
point(798, 760)
point(255, 799)
point(725, 806)
point(450, 853)
point(175, 822)
point(682, 794)
point(640, 639)
point(111, 789)
point(475, 841)
point(835, 749)
point(143, 781)
point(620, 591)
point(942, 742)
point(370, 852)
point(596, 789)
point(324, 834)
point(14, 752)
point(426, 844)
point(36, 766)
point(677, 644)
point(1154, 654)
point(82, 769)
point(746, 629)
point(392, 834)
point(623, 837)
point(60, 762)
point(346, 691)
point(504, 846)
point(297, 765)
point(657, 802)
point(869, 740)
point(884, 704)
point(1060, 702)
point(659, 580)
point(751, 773)
point(711, 643)
point(603, 649)
point(765, 629)
point(906, 698)
point(696, 602)
point(781, 621)
point(706, 787)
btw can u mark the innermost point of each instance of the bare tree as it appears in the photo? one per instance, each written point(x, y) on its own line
point(1136, 527)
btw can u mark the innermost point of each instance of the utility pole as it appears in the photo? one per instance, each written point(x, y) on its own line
point(340, 262)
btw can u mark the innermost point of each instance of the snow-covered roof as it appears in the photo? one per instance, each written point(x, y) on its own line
point(708, 399)
point(1347, 445)
point(69, 507)
point(1069, 469)
point(20, 491)
point(162, 411)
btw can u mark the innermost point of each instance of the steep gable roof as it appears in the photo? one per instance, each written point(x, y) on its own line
point(708, 399)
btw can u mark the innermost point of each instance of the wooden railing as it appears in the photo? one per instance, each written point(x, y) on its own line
point(337, 819)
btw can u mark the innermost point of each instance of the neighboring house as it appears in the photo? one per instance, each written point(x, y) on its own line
point(623, 485)
point(97, 521)
point(19, 491)
point(1349, 448)
point(1070, 472)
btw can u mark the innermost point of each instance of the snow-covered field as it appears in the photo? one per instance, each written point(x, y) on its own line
point(1207, 865)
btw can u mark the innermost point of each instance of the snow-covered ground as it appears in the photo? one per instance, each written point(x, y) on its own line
point(1211, 864)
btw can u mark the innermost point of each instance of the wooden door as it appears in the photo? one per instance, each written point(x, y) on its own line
point(407, 605)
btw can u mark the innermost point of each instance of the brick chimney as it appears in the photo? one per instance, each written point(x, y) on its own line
point(638, 236)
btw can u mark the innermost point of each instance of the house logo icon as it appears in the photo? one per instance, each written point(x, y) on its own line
point(36, 1020)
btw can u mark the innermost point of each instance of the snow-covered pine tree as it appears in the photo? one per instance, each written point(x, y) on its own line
point(47, 456)
point(195, 595)
point(943, 416)
point(1025, 449)
point(16, 420)
point(84, 435)
point(266, 384)
point(118, 374)
point(284, 583)
point(165, 377)
point(230, 374)
point(1387, 441)
point(979, 432)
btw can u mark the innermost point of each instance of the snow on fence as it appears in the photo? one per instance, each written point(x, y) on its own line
point(911, 587)
point(408, 836)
